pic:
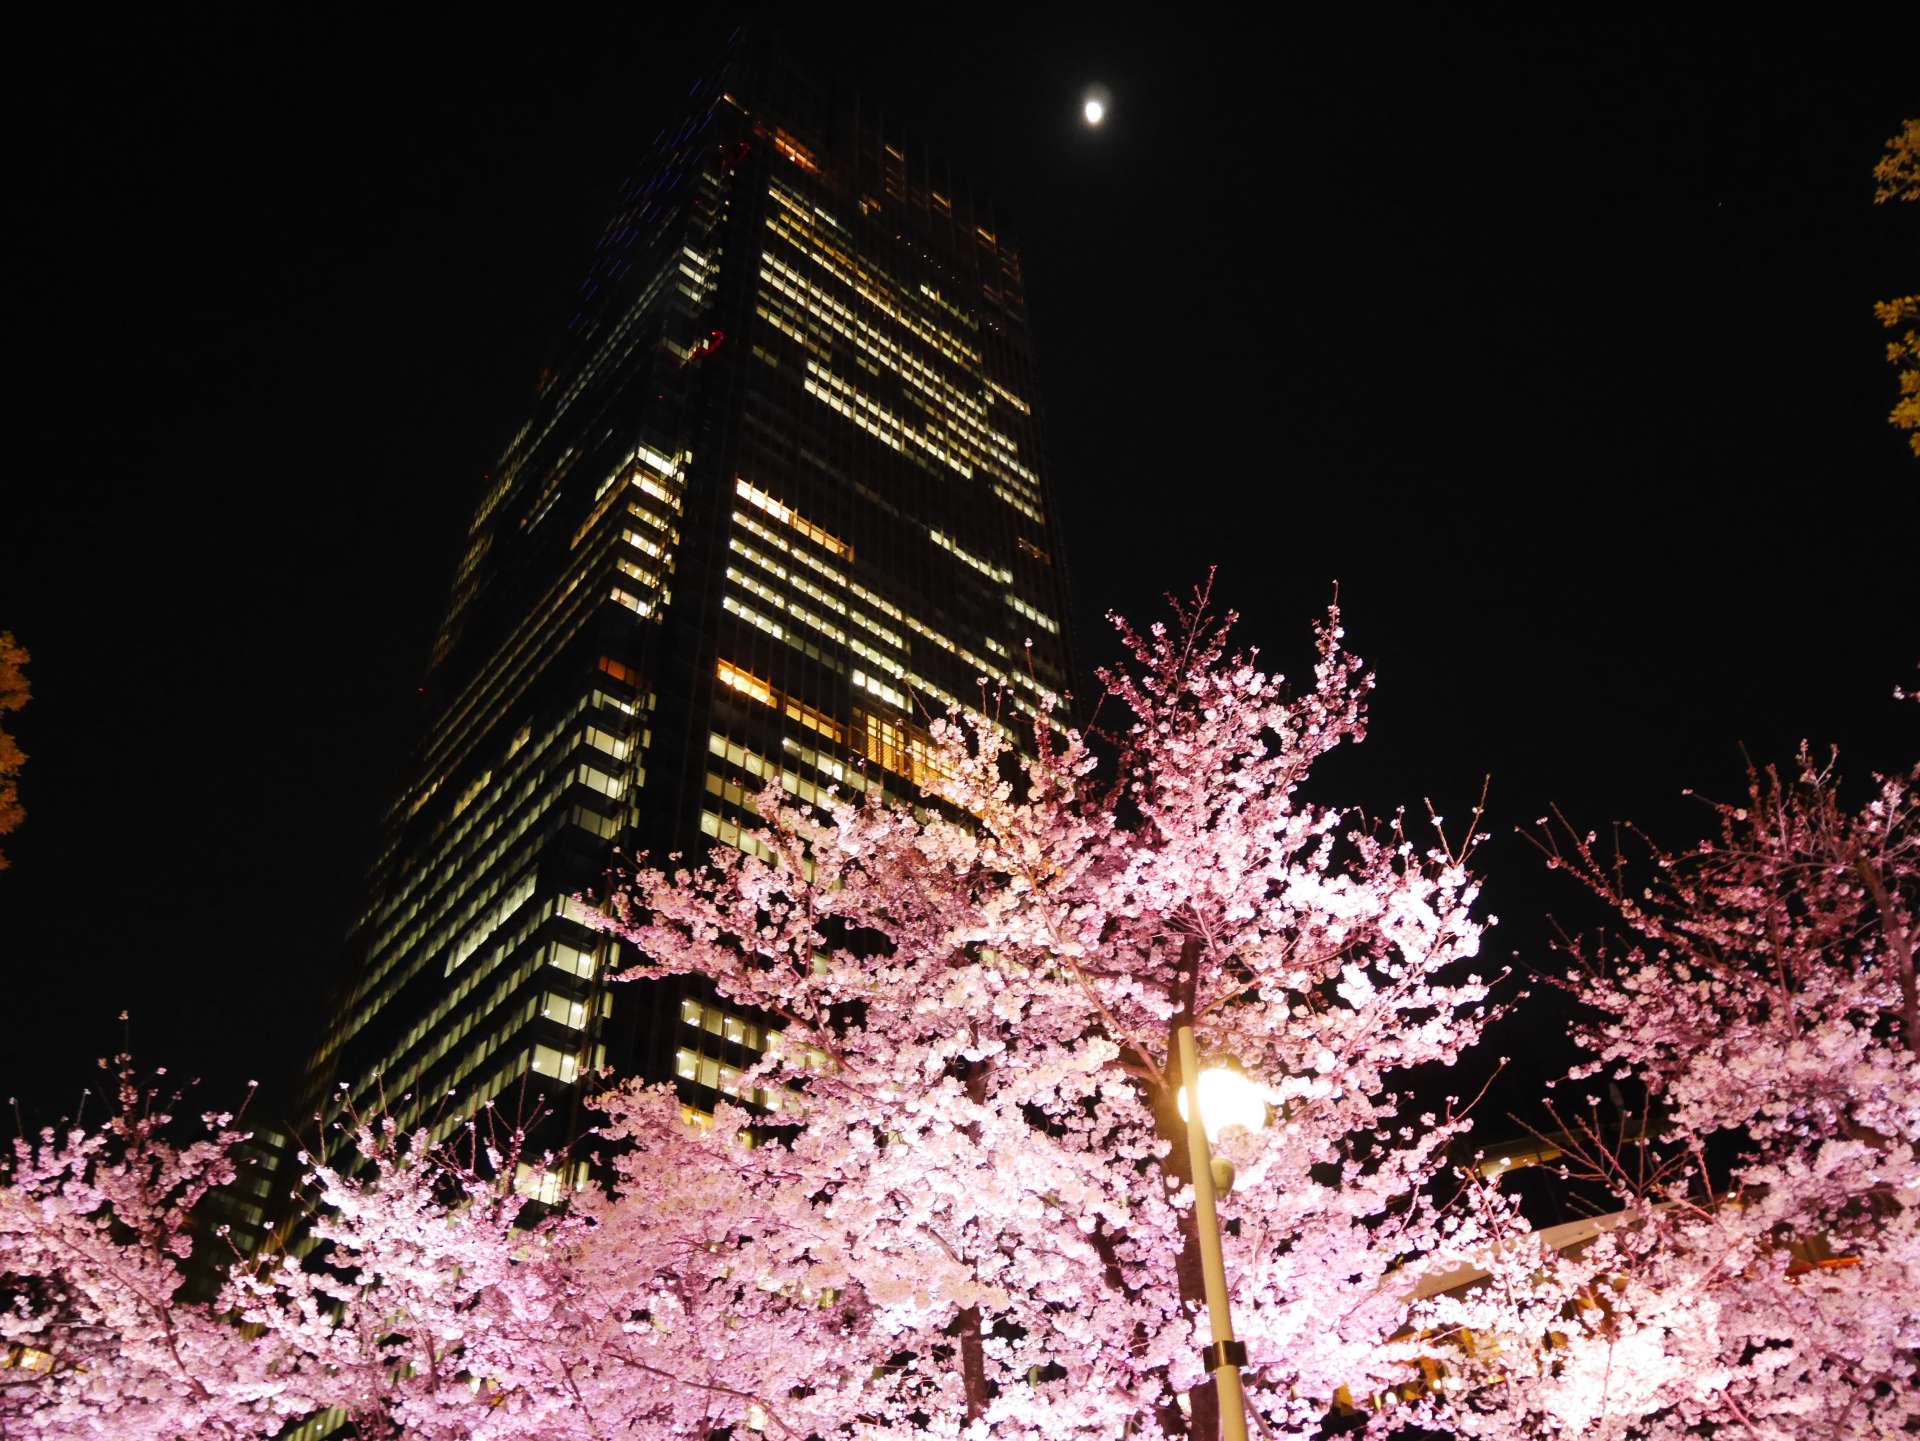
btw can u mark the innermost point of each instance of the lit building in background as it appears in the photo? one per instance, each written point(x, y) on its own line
point(781, 504)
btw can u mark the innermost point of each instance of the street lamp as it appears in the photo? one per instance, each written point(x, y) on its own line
point(1211, 1101)
point(1229, 1098)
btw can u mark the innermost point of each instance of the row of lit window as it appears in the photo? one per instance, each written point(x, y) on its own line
point(729, 833)
point(476, 1013)
point(778, 601)
point(808, 588)
point(1038, 617)
point(998, 574)
point(868, 284)
point(898, 746)
point(437, 863)
point(719, 1076)
point(540, 1060)
point(985, 567)
point(562, 956)
point(792, 782)
point(399, 944)
point(834, 770)
point(752, 617)
point(718, 1021)
point(967, 410)
point(888, 352)
point(1016, 484)
point(869, 415)
point(507, 680)
point(499, 683)
point(1031, 512)
point(605, 501)
point(764, 769)
point(448, 857)
point(838, 319)
point(875, 686)
point(842, 398)
point(549, 1184)
point(793, 520)
point(594, 823)
point(940, 300)
point(791, 322)
point(785, 319)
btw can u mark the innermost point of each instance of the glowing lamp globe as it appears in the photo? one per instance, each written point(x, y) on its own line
point(1227, 1099)
point(1095, 110)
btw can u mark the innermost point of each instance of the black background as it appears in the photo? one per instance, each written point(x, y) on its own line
point(1554, 350)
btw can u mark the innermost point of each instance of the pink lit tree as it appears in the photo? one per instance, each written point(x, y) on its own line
point(93, 1228)
point(1761, 1277)
point(958, 1206)
point(969, 1214)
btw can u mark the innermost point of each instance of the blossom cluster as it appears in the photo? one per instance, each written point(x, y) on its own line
point(960, 1205)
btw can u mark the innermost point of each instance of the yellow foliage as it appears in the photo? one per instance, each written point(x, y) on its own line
point(1897, 177)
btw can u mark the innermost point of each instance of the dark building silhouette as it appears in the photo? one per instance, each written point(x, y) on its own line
point(781, 501)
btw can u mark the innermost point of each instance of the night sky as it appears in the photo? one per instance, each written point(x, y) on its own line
point(1555, 351)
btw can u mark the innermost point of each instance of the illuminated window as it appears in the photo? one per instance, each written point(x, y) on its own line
point(794, 520)
point(749, 684)
point(985, 567)
point(571, 959)
point(874, 686)
point(745, 682)
point(549, 1061)
point(1040, 618)
point(717, 1075)
point(902, 748)
point(541, 1185)
point(794, 150)
point(718, 1021)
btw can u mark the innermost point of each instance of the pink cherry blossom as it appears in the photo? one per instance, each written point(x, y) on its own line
point(1761, 1277)
point(981, 1175)
point(964, 1214)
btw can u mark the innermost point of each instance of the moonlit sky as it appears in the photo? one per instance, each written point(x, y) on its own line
point(1554, 351)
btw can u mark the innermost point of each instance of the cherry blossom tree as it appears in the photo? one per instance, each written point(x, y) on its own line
point(437, 1302)
point(1761, 1275)
point(953, 1205)
point(966, 1215)
point(93, 1228)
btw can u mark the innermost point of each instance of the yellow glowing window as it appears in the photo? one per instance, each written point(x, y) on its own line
point(793, 519)
point(749, 684)
point(794, 150)
point(816, 720)
point(902, 748)
point(745, 682)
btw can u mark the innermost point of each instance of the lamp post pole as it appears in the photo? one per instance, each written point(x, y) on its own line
point(1225, 1356)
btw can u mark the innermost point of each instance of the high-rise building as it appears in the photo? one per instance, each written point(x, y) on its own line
point(781, 502)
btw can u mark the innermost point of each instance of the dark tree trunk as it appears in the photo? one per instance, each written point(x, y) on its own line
point(1205, 1422)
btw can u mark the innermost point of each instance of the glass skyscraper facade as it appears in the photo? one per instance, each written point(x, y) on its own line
point(781, 503)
